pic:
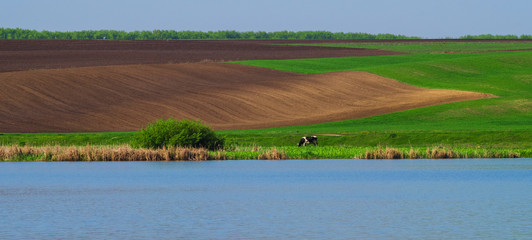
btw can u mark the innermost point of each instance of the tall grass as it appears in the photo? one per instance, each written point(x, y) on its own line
point(102, 153)
point(256, 152)
point(379, 152)
point(127, 153)
point(439, 153)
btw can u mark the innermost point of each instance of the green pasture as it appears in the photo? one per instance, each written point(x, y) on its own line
point(435, 47)
point(503, 122)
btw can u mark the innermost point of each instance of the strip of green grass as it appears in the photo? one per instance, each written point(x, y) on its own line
point(511, 139)
point(66, 139)
point(434, 47)
point(289, 136)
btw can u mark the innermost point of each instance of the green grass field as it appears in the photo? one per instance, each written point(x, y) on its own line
point(507, 75)
point(435, 47)
point(503, 122)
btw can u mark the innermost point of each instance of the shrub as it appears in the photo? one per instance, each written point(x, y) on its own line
point(172, 133)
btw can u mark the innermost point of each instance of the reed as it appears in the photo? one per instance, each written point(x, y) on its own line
point(127, 153)
point(439, 153)
point(273, 154)
point(105, 153)
point(253, 153)
point(413, 154)
point(388, 153)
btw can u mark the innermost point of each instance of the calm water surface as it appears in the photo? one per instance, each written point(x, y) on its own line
point(298, 199)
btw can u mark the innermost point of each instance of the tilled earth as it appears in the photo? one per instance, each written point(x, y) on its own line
point(19, 55)
point(97, 86)
point(223, 95)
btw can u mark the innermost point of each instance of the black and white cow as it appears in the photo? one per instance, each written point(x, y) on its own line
point(308, 140)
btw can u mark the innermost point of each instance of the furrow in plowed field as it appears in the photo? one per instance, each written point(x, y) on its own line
point(223, 95)
point(20, 55)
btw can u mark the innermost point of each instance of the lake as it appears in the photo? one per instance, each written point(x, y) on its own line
point(295, 199)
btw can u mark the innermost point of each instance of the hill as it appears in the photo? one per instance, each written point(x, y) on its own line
point(223, 95)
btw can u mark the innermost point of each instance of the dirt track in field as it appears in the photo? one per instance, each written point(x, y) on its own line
point(223, 95)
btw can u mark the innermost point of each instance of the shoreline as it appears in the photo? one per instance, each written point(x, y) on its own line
point(92, 153)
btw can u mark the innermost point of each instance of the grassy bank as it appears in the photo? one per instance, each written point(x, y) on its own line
point(127, 153)
point(351, 136)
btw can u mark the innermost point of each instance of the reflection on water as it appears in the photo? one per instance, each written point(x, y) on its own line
point(298, 199)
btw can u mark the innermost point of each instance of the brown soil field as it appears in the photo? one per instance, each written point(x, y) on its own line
point(19, 55)
point(223, 95)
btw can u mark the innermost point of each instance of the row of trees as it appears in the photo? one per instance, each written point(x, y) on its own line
point(490, 36)
point(17, 33)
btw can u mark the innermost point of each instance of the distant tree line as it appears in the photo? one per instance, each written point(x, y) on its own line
point(17, 33)
point(490, 36)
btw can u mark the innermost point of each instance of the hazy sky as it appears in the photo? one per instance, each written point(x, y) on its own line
point(423, 18)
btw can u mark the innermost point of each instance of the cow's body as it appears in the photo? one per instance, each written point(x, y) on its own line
point(308, 140)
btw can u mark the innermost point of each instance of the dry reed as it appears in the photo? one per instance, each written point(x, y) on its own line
point(413, 154)
point(127, 153)
point(105, 153)
point(388, 153)
point(273, 154)
point(392, 153)
point(437, 153)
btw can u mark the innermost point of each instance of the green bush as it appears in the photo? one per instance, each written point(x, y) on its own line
point(184, 133)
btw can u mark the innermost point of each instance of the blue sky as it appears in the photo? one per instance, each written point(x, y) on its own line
point(423, 18)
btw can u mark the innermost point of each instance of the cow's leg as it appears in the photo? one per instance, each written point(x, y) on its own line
point(302, 142)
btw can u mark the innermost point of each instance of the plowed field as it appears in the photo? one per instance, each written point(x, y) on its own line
point(19, 55)
point(224, 95)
